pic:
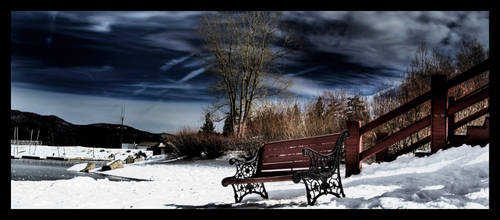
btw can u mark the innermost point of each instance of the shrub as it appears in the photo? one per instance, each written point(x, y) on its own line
point(195, 144)
point(213, 145)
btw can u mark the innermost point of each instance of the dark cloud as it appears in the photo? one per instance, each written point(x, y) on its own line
point(153, 55)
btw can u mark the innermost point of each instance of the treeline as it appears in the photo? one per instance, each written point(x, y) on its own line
point(277, 120)
point(328, 113)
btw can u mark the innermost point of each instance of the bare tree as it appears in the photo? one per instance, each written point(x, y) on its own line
point(242, 55)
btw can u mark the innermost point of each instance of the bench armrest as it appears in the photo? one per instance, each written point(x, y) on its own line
point(319, 165)
point(238, 160)
point(245, 168)
point(319, 161)
point(322, 163)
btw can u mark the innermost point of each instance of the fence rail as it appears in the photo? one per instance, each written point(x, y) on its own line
point(469, 118)
point(440, 120)
point(469, 100)
point(395, 137)
point(396, 112)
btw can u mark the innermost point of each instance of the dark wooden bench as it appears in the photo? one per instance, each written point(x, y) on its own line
point(314, 160)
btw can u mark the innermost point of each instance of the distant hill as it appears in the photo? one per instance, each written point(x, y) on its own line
point(58, 132)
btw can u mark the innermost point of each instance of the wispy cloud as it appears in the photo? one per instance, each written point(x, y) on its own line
point(193, 63)
point(299, 86)
point(172, 85)
point(306, 71)
point(192, 74)
point(174, 62)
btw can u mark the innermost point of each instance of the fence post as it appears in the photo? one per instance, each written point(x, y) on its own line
point(451, 118)
point(439, 122)
point(383, 155)
point(353, 147)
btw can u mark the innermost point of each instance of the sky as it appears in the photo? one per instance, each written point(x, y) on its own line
point(84, 66)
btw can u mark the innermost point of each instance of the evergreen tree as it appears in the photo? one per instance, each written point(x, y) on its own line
point(319, 108)
point(208, 126)
point(357, 109)
point(228, 126)
point(296, 115)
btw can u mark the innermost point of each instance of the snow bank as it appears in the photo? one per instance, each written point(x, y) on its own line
point(73, 152)
point(450, 179)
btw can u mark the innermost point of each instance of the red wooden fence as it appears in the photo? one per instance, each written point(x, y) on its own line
point(441, 120)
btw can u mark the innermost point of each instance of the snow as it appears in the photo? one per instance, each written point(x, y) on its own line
point(456, 178)
point(78, 167)
point(74, 152)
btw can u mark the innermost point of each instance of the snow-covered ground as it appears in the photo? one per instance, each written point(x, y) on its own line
point(450, 179)
point(74, 152)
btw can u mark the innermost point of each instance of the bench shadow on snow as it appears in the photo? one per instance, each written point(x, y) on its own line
point(253, 201)
point(244, 205)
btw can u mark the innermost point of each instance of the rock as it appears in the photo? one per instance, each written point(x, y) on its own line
point(129, 159)
point(113, 165)
point(140, 154)
point(138, 159)
point(111, 156)
point(90, 166)
point(102, 150)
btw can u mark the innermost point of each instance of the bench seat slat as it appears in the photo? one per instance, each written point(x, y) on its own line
point(297, 148)
point(306, 140)
point(290, 147)
point(263, 179)
point(285, 157)
point(286, 165)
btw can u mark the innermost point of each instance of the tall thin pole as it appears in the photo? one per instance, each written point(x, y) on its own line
point(37, 139)
point(13, 138)
point(17, 141)
point(31, 138)
point(58, 154)
point(121, 127)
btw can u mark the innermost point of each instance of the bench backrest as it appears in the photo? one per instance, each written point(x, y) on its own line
point(287, 155)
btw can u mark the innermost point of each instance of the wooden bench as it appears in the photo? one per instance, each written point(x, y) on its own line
point(314, 160)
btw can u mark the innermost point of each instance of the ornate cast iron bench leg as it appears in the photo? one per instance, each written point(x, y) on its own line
point(246, 169)
point(323, 176)
point(318, 185)
point(241, 190)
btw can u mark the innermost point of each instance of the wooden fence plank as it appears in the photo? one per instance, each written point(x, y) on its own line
point(395, 137)
point(470, 118)
point(396, 112)
point(469, 100)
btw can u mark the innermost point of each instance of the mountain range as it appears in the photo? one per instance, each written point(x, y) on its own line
point(54, 131)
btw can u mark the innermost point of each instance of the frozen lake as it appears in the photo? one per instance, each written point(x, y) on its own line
point(36, 170)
